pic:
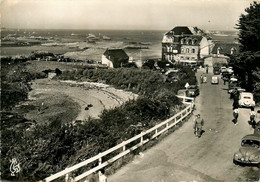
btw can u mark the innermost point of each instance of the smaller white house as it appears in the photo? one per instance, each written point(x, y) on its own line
point(115, 58)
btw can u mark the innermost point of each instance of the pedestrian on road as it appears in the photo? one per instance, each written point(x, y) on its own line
point(197, 126)
point(205, 79)
point(252, 121)
point(235, 104)
point(235, 114)
point(201, 78)
point(235, 98)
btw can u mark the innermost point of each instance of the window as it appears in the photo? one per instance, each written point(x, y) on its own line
point(182, 41)
point(193, 50)
point(181, 57)
point(187, 50)
point(182, 50)
point(187, 58)
point(192, 58)
point(194, 41)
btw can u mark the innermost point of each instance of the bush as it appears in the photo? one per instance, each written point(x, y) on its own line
point(52, 146)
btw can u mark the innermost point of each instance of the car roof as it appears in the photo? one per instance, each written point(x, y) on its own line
point(252, 137)
point(246, 93)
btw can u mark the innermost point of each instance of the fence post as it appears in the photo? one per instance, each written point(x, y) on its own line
point(142, 138)
point(99, 160)
point(124, 146)
point(66, 177)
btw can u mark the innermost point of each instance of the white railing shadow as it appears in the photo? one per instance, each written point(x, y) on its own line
point(141, 138)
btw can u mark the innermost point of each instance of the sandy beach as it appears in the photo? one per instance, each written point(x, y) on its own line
point(92, 98)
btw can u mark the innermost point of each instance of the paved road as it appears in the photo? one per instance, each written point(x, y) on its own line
point(183, 157)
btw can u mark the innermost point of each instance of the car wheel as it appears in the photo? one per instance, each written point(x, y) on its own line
point(235, 162)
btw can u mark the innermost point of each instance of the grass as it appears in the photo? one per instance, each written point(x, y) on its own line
point(58, 106)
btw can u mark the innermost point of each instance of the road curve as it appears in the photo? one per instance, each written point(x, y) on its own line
point(183, 157)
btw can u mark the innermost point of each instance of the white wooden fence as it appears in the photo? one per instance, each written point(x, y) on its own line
point(141, 138)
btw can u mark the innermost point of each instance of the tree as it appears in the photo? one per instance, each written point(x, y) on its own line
point(247, 62)
point(249, 28)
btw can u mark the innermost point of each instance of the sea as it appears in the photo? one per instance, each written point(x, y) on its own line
point(91, 44)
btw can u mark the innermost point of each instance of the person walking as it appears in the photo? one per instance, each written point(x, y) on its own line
point(201, 78)
point(235, 98)
point(197, 126)
point(252, 121)
point(235, 115)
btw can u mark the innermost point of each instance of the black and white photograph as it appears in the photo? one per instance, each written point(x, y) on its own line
point(130, 90)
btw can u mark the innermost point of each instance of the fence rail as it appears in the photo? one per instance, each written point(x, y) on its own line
point(140, 138)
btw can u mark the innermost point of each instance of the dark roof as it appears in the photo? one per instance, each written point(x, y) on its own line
point(117, 56)
point(179, 30)
point(225, 48)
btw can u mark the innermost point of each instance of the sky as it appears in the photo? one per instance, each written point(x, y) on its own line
point(121, 14)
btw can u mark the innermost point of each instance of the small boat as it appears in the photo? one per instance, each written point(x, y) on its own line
point(91, 36)
point(91, 41)
point(106, 37)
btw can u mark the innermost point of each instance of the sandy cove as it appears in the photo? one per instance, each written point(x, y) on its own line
point(97, 96)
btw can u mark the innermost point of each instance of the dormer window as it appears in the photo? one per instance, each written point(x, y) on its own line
point(189, 42)
point(182, 41)
point(194, 41)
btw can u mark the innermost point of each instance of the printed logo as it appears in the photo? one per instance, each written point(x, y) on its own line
point(15, 167)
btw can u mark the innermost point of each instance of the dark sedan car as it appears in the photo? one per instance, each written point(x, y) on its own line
point(192, 91)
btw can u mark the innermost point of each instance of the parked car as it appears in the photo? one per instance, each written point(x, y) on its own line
point(246, 99)
point(223, 69)
point(192, 91)
point(232, 89)
point(249, 152)
point(230, 70)
point(214, 80)
point(216, 70)
point(257, 129)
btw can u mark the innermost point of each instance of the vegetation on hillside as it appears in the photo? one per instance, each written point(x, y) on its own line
point(45, 148)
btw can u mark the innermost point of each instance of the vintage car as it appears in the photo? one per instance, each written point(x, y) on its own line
point(191, 91)
point(214, 80)
point(249, 152)
point(230, 70)
point(257, 129)
point(216, 70)
point(246, 99)
point(223, 69)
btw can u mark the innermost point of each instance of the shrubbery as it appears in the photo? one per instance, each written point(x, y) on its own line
point(44, 149)
point(14, 82)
